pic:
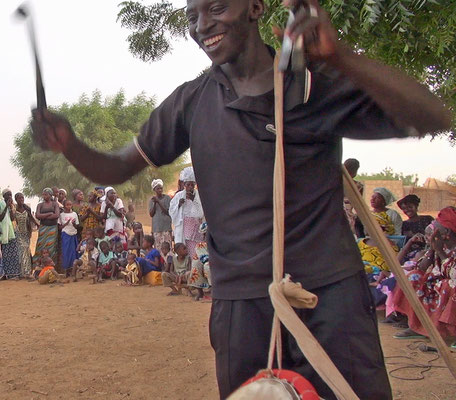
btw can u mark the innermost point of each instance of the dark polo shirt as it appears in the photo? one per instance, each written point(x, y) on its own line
point(233, 157)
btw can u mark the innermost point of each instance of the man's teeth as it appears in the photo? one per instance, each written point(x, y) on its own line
point(212, 40)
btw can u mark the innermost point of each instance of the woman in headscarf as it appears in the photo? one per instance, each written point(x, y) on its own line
point(10, 253)
point(62, 195)
point(374, 262)
point(78, 200)
point(47, 212)
point(24, 223)
point(415, 223)
point(434, 281)
point(90, 214)
point(159, 212)
point(381, 198)
point(186, 213)
point(113, 211)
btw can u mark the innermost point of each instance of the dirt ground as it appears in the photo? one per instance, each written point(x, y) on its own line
point(82, 341)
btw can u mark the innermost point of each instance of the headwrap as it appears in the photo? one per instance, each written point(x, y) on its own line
point(48, 191)
point(103, 198)
point(62, 190)
point(156, 182)
point(430, 229)
point(6, 190)
point(409, 199)
point(386, 194)
point(75, 192)
point(447, 218)
point(384, 220)
point(187, 175)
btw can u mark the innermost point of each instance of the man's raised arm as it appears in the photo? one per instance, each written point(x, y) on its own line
point(408, 103)
point(53, 132)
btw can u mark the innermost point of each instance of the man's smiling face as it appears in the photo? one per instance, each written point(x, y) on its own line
point(220, 27)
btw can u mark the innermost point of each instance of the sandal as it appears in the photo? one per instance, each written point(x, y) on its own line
point(408, 334)
point(173, 294)
point(453, 345)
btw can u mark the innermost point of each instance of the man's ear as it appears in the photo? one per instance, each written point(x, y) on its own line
point(256, 9)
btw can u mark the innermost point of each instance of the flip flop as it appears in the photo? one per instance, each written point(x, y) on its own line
point(408, 334)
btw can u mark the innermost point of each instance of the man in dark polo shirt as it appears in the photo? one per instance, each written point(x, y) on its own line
point(223, 117)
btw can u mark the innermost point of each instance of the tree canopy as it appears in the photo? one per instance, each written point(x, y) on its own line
point(104, 124)
point(387, 174)
point(418, 36)
point(451, 179)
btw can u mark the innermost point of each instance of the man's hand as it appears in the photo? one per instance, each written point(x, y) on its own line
point(313, 23)
point(51, 131)
point(181, 201)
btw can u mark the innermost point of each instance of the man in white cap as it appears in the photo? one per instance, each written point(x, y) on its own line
point(159, 212)
point(186, 212)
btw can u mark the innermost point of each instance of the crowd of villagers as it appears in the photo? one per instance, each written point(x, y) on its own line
point(426, 249)
point(99, 239)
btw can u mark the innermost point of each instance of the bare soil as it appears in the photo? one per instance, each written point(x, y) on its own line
point(106, 341)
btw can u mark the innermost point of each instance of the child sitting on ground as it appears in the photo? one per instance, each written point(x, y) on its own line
point(48, 274)
point(178, 271)
point(120, 254)
point(106, 265)
point(131, 271)
point(87, 263)
point(152, 259)
point(39, 265)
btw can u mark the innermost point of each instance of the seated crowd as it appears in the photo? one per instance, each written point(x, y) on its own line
point(100, 240)
point(426, 249)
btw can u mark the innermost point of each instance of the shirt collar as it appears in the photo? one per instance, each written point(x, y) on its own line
point(262, 104)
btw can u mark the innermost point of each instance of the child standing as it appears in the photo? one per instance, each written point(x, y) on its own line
point(99, 234)
point(68, 223)
point(167, 255)
point(135, 242)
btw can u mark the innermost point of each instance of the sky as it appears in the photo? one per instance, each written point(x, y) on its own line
point(83, 48)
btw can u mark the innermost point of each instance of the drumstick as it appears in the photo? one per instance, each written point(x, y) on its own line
point(23, 13)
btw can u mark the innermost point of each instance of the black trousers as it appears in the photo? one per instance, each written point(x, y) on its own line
point(344, 322)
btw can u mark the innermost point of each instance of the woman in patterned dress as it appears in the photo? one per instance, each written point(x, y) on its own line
point(434, 281)
point(89, 215)
point(24, 222)
point(48, 213)
point(11, 267)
